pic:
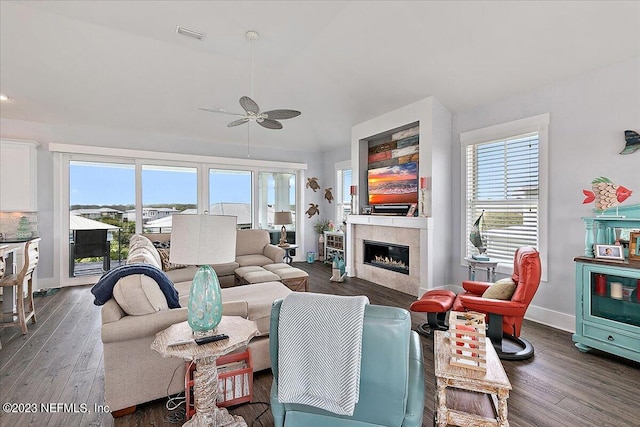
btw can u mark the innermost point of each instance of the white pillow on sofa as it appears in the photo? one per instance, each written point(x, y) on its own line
point(138, 295)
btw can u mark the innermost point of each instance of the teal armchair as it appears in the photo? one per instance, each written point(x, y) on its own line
point(391, 376)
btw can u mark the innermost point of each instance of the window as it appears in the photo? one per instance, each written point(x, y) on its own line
point(342, 194)
point(166, 190)
point(100, 194)
point(503, 169)
point(276, 193)
point(230, 194)
point(121, 192)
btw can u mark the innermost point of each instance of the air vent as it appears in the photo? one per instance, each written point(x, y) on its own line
point(189, 33)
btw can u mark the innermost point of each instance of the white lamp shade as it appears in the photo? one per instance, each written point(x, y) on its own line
point(203, 239)
point(282, 218)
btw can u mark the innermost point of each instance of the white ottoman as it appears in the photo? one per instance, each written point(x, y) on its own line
point(294, 278)
point(253, 274)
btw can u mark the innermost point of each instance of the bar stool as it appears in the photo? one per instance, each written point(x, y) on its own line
point(31, 257)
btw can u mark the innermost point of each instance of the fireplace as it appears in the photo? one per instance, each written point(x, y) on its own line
point(387, 255)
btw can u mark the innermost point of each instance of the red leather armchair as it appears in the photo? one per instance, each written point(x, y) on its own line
point(505, 316)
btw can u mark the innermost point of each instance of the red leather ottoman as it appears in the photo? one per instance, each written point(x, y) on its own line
point(436, 303)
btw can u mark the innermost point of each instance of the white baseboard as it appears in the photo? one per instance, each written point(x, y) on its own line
point(555, 319)
point(46, 283)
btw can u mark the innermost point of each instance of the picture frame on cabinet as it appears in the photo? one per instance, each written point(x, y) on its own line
point(609, 252)
point(412, 209)
point(634, 245)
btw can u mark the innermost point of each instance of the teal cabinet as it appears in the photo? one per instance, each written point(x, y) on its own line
point(608, 291)
point(607, 307)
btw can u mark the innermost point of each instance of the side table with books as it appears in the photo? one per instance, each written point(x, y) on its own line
point(205, 388)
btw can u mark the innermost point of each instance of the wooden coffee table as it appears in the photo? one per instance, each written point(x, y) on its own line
point(205, 387)
point(466, 397)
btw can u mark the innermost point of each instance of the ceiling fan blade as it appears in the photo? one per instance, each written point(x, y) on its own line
point(270, 124)
point(220, 110)
point(281, 114)
point(237, 122)
point(249, 105)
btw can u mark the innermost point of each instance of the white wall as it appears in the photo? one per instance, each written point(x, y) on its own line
point(588, 116)
point(329, 160)
point(121, 138)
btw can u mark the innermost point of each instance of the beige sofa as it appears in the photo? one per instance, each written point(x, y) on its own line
point(253, 247)
point(134, 373)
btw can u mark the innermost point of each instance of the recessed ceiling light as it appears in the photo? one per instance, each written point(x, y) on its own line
point(4, 97)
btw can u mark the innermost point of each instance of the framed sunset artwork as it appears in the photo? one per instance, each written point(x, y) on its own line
point(393, 184)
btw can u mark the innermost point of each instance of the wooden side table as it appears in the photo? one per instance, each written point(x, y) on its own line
point(205, 387)
point(489, 265)
point(463, 393)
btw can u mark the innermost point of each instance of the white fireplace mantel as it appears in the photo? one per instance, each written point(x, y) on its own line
point(422, 225)
point(390, 221)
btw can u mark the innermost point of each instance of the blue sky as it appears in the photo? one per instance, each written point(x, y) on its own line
point(98, 184)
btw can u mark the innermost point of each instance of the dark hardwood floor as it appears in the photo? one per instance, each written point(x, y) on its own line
point(59, 363)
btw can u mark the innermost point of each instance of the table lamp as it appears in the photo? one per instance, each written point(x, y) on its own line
point(283, 218)
point(203, 240)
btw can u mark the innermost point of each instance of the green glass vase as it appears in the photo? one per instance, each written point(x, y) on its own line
point(205, 302)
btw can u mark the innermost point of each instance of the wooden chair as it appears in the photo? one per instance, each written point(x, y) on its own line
point(31, 257)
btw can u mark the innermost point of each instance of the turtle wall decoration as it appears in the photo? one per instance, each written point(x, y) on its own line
point(313, 210)
point(328, 195)
point(313, 184)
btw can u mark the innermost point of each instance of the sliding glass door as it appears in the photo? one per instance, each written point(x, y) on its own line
point(230, 194)
point(100, 195)
point(111, 198)
point(167, 190)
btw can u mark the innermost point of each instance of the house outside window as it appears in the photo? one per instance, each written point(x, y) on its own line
point(504, 175)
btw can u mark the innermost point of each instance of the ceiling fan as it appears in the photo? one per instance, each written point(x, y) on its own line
point(267, 119)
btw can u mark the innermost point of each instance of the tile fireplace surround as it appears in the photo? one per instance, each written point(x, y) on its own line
point(409, 231)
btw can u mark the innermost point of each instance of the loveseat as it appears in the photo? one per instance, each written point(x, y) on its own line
point(138, 310)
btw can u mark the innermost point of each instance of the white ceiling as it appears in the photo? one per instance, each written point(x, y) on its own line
point(121, 64)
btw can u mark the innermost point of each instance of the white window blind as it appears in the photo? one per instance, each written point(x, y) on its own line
point(502, 178)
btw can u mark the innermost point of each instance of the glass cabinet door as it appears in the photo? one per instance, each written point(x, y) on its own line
point(613, 296)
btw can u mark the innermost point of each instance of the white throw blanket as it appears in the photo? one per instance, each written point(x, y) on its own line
point(319, 350)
